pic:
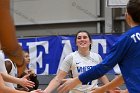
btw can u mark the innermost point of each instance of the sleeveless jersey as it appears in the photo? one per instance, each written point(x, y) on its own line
point(79, 64)
point(3, 69)
point(13, 71)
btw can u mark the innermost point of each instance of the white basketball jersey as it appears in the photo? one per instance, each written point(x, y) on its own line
point(13, 71)
point(3, 69)
point(79, 64)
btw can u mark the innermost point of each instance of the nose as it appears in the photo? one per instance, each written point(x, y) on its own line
point(82, 38)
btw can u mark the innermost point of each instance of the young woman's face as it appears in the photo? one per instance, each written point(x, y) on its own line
point(26, 58)
point(82, 40)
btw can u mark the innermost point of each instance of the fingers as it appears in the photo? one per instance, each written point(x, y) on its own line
point(26, 76)
point(27, 89)
point(69, 84)
point(63, 88)
point(37, 91)
point(93, 89)
point(63, 81)
point(27, 83)
point(30, 84)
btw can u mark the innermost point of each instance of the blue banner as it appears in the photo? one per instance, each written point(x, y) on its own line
point(46, 53)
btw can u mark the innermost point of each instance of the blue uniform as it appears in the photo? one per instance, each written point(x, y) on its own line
point(125, 52)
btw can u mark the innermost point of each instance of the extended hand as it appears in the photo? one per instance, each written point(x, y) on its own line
point(68, 85)
point(97, 90)
point(26, 83)
point(37, 91)
point(121, 91)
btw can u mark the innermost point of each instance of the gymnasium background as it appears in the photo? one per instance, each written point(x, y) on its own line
point(46, 28)
point(47, 53)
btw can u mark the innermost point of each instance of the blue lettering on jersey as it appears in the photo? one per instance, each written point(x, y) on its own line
point(82, 69)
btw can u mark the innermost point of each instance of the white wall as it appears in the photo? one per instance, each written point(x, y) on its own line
point(53, 11)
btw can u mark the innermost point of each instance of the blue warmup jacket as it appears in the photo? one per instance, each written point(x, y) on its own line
point(126, 53)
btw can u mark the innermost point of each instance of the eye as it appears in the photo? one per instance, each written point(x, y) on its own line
point(85, 37)
point(79, 37)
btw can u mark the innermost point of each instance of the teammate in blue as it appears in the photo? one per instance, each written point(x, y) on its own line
point(125, 52)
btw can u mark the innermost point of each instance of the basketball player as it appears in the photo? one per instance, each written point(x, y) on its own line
point(78, 62)
point(125, 52)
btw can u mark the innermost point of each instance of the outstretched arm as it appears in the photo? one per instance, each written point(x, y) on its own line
point(69, 84)
point(22, 81)
point(8, 40)
point(105, 81)
point(111, 85)
point(55, 82)
point(5, 89)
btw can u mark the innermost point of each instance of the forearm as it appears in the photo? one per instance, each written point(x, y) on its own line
point(5, 89)
point(94, 73)
point(8, 38)
point(11, 79)
point(7, 29)
point(104, 79)
point(114, 83)
point(126, 91)
point(52, 85)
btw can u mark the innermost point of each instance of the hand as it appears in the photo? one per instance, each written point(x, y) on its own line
point(111, 91)
point(26, 83)
point(29, 71)
point(101, 90)
point(68, 84)
point(121, 91)
point(37, 91)
point(45, 91)
point(98, 90)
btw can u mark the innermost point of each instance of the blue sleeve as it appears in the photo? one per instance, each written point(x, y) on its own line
point(115, 56)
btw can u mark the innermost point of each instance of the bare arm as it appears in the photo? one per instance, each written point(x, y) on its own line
point(111, 85)
point(5, 89)
point(22, 81)
point(104, 79)
point(68, 85)
point(55, 82)
point(114, 83)
point(8, 39)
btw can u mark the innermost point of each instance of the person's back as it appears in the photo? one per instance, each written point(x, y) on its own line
point(130, 63)
point(125, 51)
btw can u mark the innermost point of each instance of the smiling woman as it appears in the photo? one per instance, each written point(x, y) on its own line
point(78, 62)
